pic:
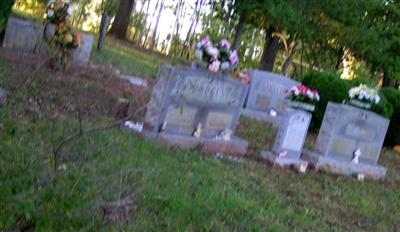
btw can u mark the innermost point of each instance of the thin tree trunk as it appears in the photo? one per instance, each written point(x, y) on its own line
point(339, 58)
point(154, 37)
point(104, 24)
point(386, 81)
point(239, 31)
point(151, 23)
point(270, 50)
point(121, 21)
point(192, 27)
point(136, 30)
point(4, 14)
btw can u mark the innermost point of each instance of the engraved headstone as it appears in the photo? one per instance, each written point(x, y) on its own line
point(185, 101)
point(290, 139)
point(27, 36)
point(267, 93)
point(344, 130)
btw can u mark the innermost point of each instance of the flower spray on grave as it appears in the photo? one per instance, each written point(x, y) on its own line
point(302, 97)
point(59, 33)
point(215, 57)
point(363, 96)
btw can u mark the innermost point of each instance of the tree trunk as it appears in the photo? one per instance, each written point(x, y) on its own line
point(387, 82)
point(239, 31)
point(121, 21)
point(151, 23)
point(339, 58)
point(104, 24)
point(154, 38)
point(5, 11)
point(270, 50)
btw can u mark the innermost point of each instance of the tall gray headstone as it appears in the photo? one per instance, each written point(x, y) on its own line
point(27, 36)
point(290, 140)
point(344, 130)
point(184, 99)
point(267, 92)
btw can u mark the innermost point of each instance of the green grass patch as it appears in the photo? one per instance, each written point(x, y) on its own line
point(171, 190)
point(129, 59)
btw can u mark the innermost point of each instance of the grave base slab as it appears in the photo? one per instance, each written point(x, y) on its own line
point(235, 147)
point(335, 166)
point(283, 162)
point(262, 116)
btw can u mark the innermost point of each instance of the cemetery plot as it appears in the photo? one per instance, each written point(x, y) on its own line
point(290, 140)
point(266, 98)
point(196, 107)
point(350, 141)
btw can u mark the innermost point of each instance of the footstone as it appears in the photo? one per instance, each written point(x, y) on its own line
point(267, 94)
point(290, 140)
point(341, 167)
point(235, 147)
point(346, 131)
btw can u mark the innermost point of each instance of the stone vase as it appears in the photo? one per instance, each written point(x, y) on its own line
point(360, 104)
point(49, 31)
point(302, 105)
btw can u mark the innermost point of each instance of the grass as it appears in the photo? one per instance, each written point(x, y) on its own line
point(129, 59)
point(170, 189)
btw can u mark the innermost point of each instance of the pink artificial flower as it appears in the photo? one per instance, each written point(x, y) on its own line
point(225, 44)
point(205, 42)
point(214, 66)
point(233, 58)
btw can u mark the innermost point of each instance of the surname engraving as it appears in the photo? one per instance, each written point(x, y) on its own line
point(273, 89)
point(201, 89)
point(356, 131)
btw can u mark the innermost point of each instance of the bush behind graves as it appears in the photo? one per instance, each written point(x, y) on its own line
point(330, 87)
point(393, 97)
point(334, 89)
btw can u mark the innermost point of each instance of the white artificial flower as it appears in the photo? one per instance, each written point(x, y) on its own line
point(50, 13)
point(199, 54)
point(225, 65)
point(70, 10)
point(310, 94)
point(377, 99)
point(212, 51)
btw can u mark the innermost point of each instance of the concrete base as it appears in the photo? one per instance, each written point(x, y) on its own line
point(235, 147)
point(262, 116)
point(329, 164)
point(299, 164)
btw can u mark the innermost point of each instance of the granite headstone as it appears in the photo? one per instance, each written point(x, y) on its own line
point(184, 100)
point(346, 130)
point(267, 93)
point(290, 140)
point(27, 36)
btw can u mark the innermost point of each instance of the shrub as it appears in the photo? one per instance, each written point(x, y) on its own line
point(334, 89)
point(393, 97)
point(330, 88)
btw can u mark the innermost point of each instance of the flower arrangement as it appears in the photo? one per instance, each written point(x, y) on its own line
point(58, 11)
point(303, 97)
point(363, 96)
point(58, 30)
point(218, 57)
